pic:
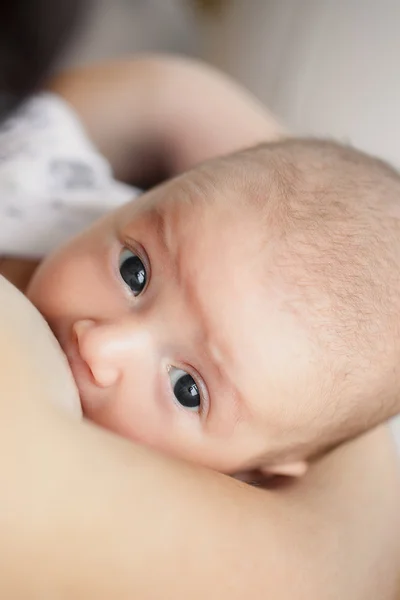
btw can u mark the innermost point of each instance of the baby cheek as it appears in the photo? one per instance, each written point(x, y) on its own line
point(68, 285)
point(43, 289)
point(129, 409)
point(136, 425)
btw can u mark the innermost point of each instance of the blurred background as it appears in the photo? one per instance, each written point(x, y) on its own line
point(326, 67)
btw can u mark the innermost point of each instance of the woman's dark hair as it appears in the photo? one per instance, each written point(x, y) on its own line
point(32, 35)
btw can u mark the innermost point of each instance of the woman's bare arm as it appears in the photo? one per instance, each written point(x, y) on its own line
point(87, 515)
point(155, 116)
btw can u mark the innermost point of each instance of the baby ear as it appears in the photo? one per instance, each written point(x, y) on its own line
point(290, 469)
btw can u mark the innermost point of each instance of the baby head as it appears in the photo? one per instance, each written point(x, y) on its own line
point(241, 315)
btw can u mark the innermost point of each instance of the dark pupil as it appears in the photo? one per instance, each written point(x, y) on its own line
point(134, 274)
point(186, 392)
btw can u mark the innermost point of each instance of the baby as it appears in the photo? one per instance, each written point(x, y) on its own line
point(244, 315)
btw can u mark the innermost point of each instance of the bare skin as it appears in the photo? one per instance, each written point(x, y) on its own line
point(332, 535)
point(89, 515)
point(154, 117)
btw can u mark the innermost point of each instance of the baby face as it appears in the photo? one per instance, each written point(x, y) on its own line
point(162, 311)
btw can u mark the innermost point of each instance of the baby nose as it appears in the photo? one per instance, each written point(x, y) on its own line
point(110, 348)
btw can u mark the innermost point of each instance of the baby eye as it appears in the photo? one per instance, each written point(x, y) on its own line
point(132, 271)
point(184, 388)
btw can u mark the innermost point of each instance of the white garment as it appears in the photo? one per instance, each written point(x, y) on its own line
point(53, 182)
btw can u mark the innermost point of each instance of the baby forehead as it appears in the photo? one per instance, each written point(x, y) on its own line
point(214, 241)
point(217, 247)
point(217, 257)
point(206, 215)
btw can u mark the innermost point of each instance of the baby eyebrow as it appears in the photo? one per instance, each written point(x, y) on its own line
point(161, 229)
